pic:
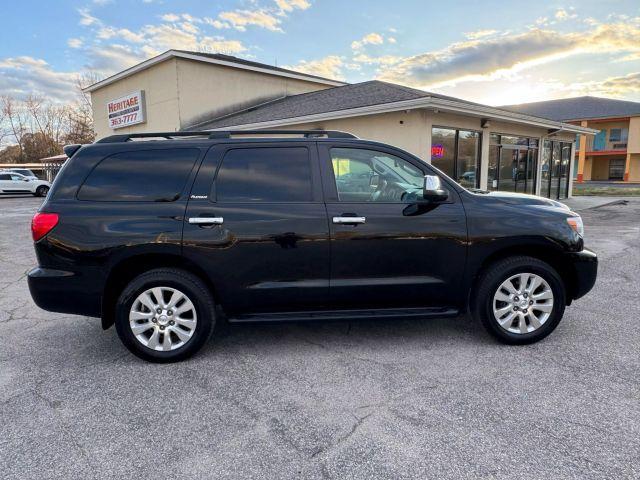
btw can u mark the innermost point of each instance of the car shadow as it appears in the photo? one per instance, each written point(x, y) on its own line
point(375, 334)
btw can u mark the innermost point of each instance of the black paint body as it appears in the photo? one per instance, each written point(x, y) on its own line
point(270, 259)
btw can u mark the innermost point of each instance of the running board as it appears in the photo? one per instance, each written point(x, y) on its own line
point(345, 315)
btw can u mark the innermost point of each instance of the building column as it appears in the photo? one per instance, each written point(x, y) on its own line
point(484, 159)
point(539, 165)
point(573, 156)
point(428, 122)
point(581, 154)
point(627, 168)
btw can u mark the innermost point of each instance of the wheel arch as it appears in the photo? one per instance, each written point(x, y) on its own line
point(547, 254)
point(130, 267)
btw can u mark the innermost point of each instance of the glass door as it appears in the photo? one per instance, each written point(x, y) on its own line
point(507, 170)
point(616, 168)
point(563, 188)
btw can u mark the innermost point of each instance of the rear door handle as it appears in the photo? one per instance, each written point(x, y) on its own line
point(349, 220)
point(206, 220)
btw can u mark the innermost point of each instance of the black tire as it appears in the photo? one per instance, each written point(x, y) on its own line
point(42, 191)
point(492, 278)
point(188, 284)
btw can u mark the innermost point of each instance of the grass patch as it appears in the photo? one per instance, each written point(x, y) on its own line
point(607, 191)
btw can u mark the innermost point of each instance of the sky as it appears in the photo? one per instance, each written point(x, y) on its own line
point(493, 52)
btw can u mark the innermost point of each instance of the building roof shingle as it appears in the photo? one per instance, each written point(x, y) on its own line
point(357, 95)
point(578, 108)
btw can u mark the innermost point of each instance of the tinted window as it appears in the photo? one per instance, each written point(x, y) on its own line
point(372, 176)
point(141, 176)
point(5, 176)
point(264, 174)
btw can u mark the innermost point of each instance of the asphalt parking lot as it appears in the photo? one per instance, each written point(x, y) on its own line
point(384, 399)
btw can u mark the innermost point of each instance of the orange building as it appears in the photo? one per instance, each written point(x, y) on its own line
point(614, 153)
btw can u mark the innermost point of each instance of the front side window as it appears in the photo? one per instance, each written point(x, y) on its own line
point(278, 174)
point(371, 176)
point(140, 176)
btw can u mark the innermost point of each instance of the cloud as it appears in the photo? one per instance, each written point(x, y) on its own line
point(86, 19)
point(369, 39)
point(489, 58)
point(480, 34)
point(108, 59)
point(610, 87)
point(290, 5)
point(269, 18)
point(21, 76)
point(329, 67)
point(170, 17)
point(381, 60)
point(241, 19)
point(75, 42)
point(562, 14)
point(120, 48)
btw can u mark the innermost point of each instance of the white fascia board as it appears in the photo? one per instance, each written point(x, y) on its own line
point(426, 102)
point(172, 53)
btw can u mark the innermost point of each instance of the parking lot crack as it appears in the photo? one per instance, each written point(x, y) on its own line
point(342, 439)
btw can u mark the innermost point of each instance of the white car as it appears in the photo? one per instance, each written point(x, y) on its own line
point(11, 182)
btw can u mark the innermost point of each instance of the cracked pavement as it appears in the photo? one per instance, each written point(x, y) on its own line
point(383, 399)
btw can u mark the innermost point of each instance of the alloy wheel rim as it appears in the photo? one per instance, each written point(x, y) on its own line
point(163, 318)
point(523, 303)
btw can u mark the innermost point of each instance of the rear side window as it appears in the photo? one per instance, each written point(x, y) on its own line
point(279, 174)
point(140, 176)
point(5, 176)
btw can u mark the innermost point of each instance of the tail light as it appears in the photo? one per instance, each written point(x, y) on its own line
point(42, 223)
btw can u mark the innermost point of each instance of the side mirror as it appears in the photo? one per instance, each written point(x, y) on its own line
point(432, 190)
point(25, 179)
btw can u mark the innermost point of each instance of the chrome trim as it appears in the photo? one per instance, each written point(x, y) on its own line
point(349, 220)
point(206, 220)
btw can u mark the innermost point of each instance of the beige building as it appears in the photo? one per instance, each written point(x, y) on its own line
point(478, 145)
point(182, 88)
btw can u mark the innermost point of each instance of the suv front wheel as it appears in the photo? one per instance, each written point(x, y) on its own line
point(520, 300)
point(165, 315)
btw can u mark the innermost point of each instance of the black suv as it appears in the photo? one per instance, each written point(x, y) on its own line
point(167, 236)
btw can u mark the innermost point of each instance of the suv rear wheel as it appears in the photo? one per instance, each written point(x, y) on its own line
point(520, 300)
point(165, 315)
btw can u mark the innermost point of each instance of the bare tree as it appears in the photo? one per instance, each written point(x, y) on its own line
point(16, 120)
point(34, 127)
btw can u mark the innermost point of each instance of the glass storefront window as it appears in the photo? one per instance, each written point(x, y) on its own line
point(492, 179)
point(545, 170)
point(468, 155)
point(443, 149)
point(456, 153)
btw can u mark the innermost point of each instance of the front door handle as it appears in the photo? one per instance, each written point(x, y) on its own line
point(349, 220)
point(206, 220)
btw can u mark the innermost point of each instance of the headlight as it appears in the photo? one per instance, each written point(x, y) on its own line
point(576, 224)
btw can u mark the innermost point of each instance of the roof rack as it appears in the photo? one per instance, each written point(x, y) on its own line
point(221, 134)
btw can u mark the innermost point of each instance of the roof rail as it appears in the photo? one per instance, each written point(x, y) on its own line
point(220, 134)
point(304, 133)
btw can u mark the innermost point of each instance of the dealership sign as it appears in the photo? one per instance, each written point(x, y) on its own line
point(127, 110)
